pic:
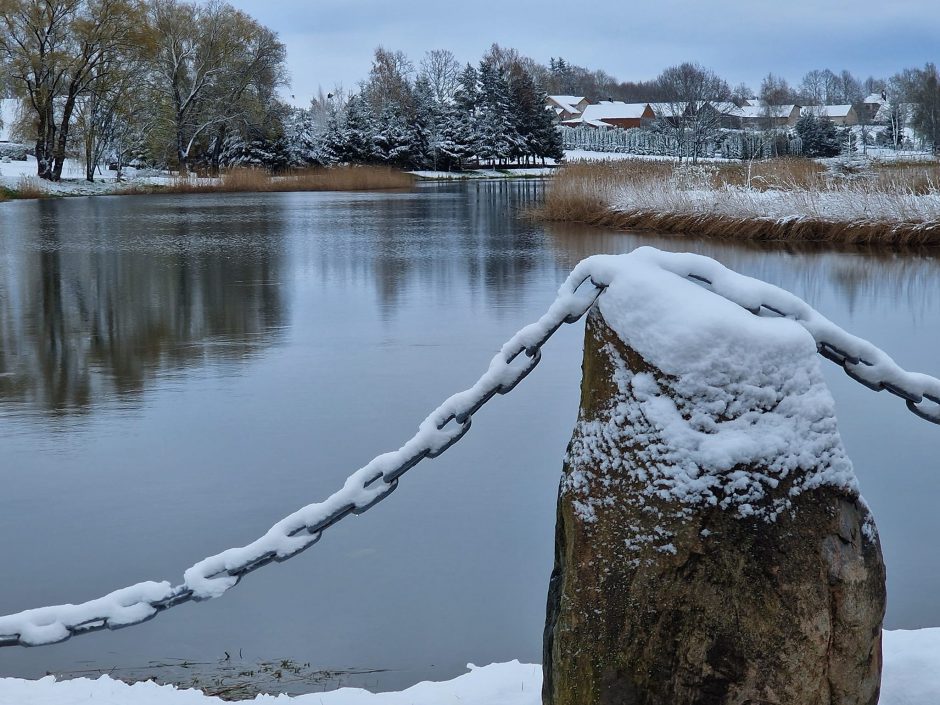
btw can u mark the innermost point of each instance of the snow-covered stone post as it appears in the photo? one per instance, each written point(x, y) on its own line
point(711, 544)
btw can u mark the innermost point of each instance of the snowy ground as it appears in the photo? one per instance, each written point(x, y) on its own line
point(14, 173)
point(911, 677)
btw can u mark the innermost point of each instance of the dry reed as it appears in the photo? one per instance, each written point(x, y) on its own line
point(790, 200)
point(343, 178)
point(29, 187)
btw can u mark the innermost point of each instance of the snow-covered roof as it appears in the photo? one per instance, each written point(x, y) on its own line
point(874, 99)
point(761, 111)
point(668, 109)
point(614, 110)
point(7, 117)
point(568, 103)
point(827, 110)
point(569, 99)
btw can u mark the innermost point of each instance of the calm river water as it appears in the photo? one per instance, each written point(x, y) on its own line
point(178, 373)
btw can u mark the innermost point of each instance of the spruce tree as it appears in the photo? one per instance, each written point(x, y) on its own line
point(820, 137)
point(465, 128)
point(356, 144)
point(498, 140)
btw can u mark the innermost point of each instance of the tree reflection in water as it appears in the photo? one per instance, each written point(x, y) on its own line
point(83, 318)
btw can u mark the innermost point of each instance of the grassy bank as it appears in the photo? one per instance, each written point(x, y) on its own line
point(786, 199)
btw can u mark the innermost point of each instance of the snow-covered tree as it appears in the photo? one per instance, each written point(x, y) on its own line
point(496, 135)
point(820, 137)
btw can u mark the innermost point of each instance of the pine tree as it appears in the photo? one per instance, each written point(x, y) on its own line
point(546, 138)
point(498, 140)
point(464, 128)
point(357, 136)
point(820, 137)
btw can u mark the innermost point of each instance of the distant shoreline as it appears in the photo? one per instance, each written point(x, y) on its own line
point(337, 179)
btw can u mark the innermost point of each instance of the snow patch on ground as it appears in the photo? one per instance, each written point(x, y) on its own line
point(510, 683)
point(911, 677)
point(13, 174)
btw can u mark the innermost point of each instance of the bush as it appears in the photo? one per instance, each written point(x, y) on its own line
point(13, 151)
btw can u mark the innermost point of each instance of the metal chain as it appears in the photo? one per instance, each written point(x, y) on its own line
point(452, 420)
point(448, 424)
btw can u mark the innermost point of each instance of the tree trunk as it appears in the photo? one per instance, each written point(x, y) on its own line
point(44, 142)
point(62, 139)
point(181, 152)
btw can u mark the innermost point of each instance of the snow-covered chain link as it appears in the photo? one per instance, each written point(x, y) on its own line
point(859, 359)
point(364, 489)
point(446, 425)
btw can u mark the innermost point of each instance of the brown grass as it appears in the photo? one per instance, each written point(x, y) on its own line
point(341, 178)
point(29, 187)
point(637, 195)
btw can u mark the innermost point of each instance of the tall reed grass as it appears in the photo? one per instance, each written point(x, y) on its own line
point(29, 187)
point(341, 178)
point(787, 199)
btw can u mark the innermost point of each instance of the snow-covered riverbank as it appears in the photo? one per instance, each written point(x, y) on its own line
point(911, 677)
point(858, 202)
point(15, 174)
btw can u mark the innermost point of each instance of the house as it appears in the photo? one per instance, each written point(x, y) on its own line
point(887, 112)
point(8, 110)
point(872, 104)
point(610, 113)
point(838, 114)
point(767, 116)
point(567, 107)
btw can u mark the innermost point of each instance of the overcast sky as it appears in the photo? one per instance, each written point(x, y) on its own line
point(331, 41)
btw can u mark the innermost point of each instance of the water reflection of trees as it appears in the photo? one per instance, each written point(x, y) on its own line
point(80, 323)
point(424, 242)
point(881, 278)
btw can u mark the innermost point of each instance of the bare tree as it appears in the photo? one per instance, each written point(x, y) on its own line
point(113, 107)
point(741, 93)
point(389, 79)
point(812, 87)
point(922, 88)
point(441, 69)
point(695, 104)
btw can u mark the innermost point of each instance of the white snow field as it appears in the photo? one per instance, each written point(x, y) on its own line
point(911, 677)
point(14, 172)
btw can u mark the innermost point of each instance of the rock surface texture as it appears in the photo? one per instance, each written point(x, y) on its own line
point(711, 544)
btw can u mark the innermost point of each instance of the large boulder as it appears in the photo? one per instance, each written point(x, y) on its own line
point(711, 544)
